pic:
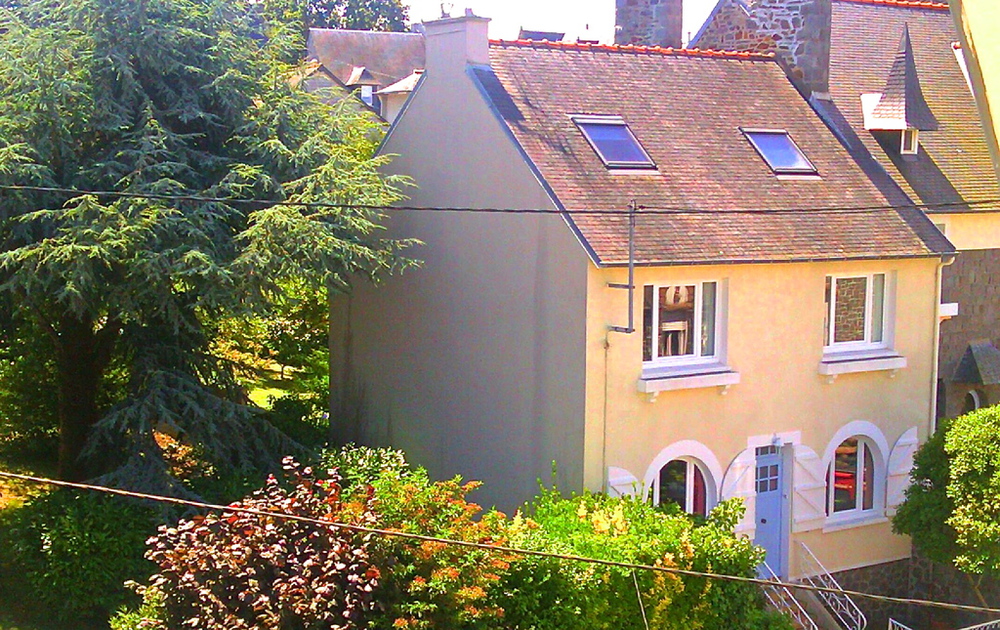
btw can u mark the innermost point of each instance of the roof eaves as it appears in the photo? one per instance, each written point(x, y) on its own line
point(707, 262)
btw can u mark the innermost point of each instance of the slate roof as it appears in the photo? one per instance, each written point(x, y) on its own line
point(686, 107)
point(387, 57)
point(903, 98)
point(980, 365)
point(953, 166)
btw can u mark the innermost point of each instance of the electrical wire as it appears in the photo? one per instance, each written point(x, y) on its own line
point(643, 209)
point(499, 548)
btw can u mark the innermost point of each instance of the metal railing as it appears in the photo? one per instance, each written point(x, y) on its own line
point(989, 625)
point(782, 600)
point(840, 604)
point(895, 625)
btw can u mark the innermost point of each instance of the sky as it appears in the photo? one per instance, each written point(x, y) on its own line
point(570, 16)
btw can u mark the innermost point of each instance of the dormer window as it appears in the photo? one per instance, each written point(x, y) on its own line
point(910, 144)
point(614, 142)
point(368, 95)
point(779, 151)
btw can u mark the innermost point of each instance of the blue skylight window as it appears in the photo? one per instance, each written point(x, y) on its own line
point(613, 142)
point(780, 152)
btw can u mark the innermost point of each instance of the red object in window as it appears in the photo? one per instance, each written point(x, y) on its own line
point(843, 480)
point(698, 502)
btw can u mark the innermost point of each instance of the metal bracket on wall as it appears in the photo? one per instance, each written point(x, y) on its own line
point(628, 330)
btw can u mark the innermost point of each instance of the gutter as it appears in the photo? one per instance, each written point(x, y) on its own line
point(946, 261)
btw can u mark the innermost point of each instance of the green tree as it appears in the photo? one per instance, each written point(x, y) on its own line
point(362, 15)
point(160, 99)
point(924, 514)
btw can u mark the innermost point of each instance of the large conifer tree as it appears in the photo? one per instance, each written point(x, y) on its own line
point(168, 98)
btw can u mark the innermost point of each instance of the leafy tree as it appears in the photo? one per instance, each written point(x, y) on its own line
point(362, 15)
point(925, 512)
point(155, 99)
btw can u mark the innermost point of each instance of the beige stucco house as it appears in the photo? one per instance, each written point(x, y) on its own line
point(780, 344)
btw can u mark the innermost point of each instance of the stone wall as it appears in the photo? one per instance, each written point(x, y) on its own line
point(796, 31)
point(648, 22)
point(973, 281)
point(918, 578)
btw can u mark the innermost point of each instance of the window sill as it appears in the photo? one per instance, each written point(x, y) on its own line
point(850, 521)
point(836, 363)
point(664, 379)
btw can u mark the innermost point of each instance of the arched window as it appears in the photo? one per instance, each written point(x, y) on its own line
point(973, 401)
point(851, 483)
point(682, 481)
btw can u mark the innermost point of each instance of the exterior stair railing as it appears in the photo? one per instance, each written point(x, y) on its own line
point(895, 625)
point(989, 625)
point(840, 604)
point(782, 600)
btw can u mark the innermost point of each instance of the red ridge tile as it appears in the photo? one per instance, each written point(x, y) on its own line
point(911, 4)
point(631, 48)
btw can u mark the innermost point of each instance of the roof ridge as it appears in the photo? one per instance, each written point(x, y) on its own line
point(631, 48)
point(908, 4)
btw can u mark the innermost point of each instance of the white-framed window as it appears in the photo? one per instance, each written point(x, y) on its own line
point(973, 400)
point(682, 482)
point(852, 477)
point(857, 312)
point(909, 142)
point(680, 323)
point(613, 141)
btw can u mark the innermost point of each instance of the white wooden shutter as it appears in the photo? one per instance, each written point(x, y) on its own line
point(809, 490)
point(738, 483)
point(623, 483)
point(900, 465)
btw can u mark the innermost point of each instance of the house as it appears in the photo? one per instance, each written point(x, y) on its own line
point(890, 77)
point(380, 68)
point(776, 342)
point(977, 22)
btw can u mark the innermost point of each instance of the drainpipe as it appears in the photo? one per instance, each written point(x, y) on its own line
point(936, 353)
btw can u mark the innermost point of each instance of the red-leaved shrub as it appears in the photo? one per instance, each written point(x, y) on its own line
point(239, 571)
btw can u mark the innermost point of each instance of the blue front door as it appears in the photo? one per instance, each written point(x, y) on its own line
point(769, 505)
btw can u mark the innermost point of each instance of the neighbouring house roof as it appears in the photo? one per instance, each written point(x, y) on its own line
point(953, 165)
point(902, 103)
point(980, 365)
point(686, 108)
point(551, 36)
point(386, 57)
point(406, 84)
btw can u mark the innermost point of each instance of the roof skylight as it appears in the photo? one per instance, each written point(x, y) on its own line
point(613, 142)
point(780, 151)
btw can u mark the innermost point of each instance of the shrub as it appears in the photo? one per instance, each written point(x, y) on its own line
point(71, 553)
point(236, 570)
point(544, 593)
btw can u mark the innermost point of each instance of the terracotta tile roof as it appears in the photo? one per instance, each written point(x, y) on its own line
point(954, 164)
point(686, 107)
point(907, 4)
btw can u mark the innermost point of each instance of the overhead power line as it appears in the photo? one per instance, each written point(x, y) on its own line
point(499, 548)
point(643, 209)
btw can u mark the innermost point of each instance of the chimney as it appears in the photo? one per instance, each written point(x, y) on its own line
point(649, 22)
point(453, 43)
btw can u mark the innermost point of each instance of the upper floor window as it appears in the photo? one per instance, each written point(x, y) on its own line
point(851, 482)
point(856, 312)
point(780, 151)
point(613, 142)
point(680, 323)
